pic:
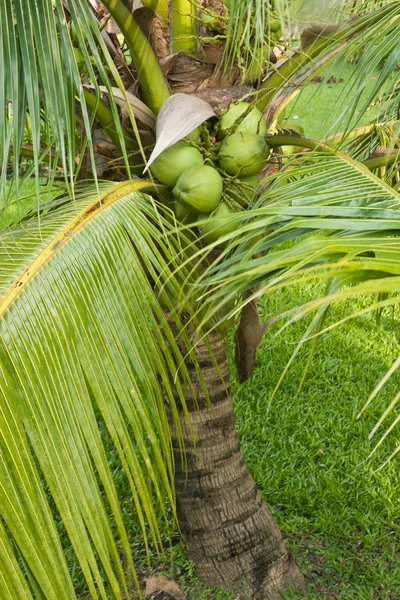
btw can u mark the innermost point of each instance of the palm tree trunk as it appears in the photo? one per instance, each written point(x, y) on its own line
point(227, 528)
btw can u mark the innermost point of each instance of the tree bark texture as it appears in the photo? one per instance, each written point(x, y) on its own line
point(227, 529)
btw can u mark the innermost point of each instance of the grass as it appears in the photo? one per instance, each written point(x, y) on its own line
point(318, 109)
point(308, 453)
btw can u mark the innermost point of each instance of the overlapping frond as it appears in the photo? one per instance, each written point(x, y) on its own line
point(85, 353)
point(375, 50)
point(370, 36)
point(324, 216)
point(41, 74)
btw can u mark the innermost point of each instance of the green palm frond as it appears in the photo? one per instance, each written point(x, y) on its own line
point(378, 50)
point(42, 70)
point(362, 142)
point(86, 351)
point(323, 217)
point(373, 36)
point(315, 192)
point(375, 141)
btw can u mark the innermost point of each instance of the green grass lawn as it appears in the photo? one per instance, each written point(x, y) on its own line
point(318, 108)
point(308, 453)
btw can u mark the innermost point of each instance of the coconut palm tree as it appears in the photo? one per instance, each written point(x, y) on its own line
point(114, 312)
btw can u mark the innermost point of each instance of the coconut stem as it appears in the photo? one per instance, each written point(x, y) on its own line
point(106, 119)
point(184, 34)
point(381, 161)
point(275, 141)
point(240, 185)
point(236, 206)
point(152, 81)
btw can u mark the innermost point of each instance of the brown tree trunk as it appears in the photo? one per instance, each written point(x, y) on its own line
point(227, 528)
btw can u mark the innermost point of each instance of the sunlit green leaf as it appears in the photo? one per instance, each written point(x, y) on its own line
point(85, 348)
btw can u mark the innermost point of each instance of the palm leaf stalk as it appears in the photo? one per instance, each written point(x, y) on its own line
point(152, 81)
point(184, 27)
point(28, 152)
point(339, 138)
point(107, 121)
point(162, 9)
point(278, 141)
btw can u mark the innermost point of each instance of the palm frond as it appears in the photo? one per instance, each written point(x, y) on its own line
point(41, 75)
point(323, 217)
point(315, 192)
point(377, 51)
point(374, 142)
point(86, 352)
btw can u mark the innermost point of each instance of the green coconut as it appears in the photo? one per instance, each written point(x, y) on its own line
point(275, 25)
point(243, 154)
point(217, 225)
point(291, 128)
point(176, 159)
point(253, 123)
point(288, 176)
point(168, 296)
point(199, 188)
point(252, 180)
point(79, 59)
point(242, 194)
point(194, 135)
point(255, 69)
point(287, 152)
point(161, 193)
point(74, 32)
point(184, 213)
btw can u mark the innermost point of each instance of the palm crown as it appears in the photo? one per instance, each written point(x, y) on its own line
point(106, 296)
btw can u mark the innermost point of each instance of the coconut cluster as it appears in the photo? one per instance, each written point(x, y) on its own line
point(214, 176)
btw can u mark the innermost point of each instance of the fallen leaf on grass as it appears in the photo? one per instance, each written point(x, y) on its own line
point(161, 583)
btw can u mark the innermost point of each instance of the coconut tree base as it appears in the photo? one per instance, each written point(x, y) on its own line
point(227, 528)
